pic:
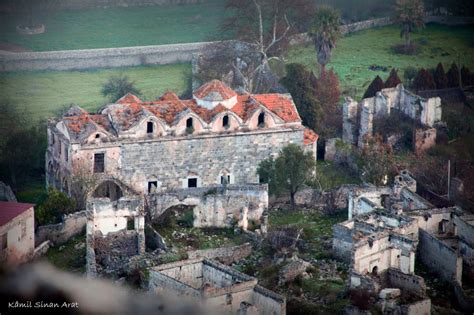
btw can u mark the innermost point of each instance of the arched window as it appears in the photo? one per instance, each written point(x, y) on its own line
point(225, 121)
point(189, 126)
point(149, 127)
point(261, 120)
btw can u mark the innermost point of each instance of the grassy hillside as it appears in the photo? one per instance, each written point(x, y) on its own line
point(120, 27)
point(355, 53)
point(43, 93)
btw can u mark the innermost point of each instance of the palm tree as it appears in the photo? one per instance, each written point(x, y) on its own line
point(325, 32)
point(409, 14)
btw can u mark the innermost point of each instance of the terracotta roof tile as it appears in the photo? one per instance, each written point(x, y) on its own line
point(128, 98)
point(282, 105)
point(216, 90)
point(310, 136)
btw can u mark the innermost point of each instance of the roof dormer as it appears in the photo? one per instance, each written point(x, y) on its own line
point(214, 93)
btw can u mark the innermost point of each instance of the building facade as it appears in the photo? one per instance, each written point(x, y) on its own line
point(214, 138)
point(17, 232)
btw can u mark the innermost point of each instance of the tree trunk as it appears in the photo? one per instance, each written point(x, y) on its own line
point(292, 200)
point(407, 37)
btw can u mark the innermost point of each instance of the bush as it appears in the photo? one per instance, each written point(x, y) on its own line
point(393, 80)
point(374, 87)
point(466, 76)
point(453, 76)
point(118, 86)
point(361, 298)
point(409, 74)
point(440, 77)
point(56, 205)
point(424, 81)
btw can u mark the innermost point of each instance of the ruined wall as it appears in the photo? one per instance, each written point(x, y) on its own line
point(429, 222)
point(465, 231)
point(417, 308)
point(226, 255)
point(72, 225)
point(163, 285)
point(342, 242)
point(268, 302)
point(191, 274)
point(172, 161)
point(235, 205)
point(409, 283)
point(440, 257)
point(20, 238)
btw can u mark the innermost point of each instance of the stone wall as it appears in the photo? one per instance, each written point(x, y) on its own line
point(99, 58)
point(91, 4)
point(439, 257)
point(342, 242)
point(409, 283)
point(226, 255)
point(268, 302)
point(72, 225)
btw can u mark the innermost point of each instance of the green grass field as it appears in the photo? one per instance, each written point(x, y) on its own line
point(120, 27)
point(44, 93)
point(355, 53)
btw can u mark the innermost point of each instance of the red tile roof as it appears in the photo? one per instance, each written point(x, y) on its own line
point(215, 86)
point(10, 210)
point(310, 136)
point(280, 104)
point(128, 98)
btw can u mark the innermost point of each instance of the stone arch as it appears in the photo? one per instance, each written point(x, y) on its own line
point(375, 270)
point(111, 188)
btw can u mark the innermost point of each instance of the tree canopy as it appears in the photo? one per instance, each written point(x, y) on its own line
point(393, 79)
point(375, 86)
point(410, 15)
point(117, 86)
point(325, 32)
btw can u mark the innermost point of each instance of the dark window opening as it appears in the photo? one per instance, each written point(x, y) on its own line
point(225, 121)
point(149, 127)
point(189, 123)
point(226, 179)
point(152, 186)
point(66, 154)
point(228, 299)
point(4, 241)
point(99, 166)
point(375, 271)
point(261, 120)
point(97, 136)
point(192, 182)
point(130, 224)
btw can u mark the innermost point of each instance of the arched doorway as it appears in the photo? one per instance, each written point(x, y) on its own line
point(108, 189)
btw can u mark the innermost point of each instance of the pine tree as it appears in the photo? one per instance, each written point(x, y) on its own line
point(453, 76)
point(374, 87)
point(393, 80)
point(466, 76)
point(440, 77)
point(424, 81)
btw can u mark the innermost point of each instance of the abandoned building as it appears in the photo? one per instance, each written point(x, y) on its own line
point(17, 232)
point(359, 117)
point(216, 137)
point(389, 226)
point(216, 286)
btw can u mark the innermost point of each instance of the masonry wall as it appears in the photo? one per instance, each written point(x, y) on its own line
point(164, 285)
point(342, 242)
point(20, 248)
point(72, 225)
point(407, 282)
point(172, 161)
point(465, 231)
point(226, 255)
point(440, 257)
point(190, 274)
point(268, 302)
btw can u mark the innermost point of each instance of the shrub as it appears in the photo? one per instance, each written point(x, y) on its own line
point(393, 80)
point(466, 76)
point(453, 76)
point(409, 74)
point(374, 87)
point(117, 86)
point(424, 81)
point(55, 206)
point(440, 77)
point(361, 298)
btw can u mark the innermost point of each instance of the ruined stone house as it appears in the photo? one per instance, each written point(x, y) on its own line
point(358, 117)
point(219, 287)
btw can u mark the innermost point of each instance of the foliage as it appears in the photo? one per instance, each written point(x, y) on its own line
point(70, 256)
point(362, 298)
point(21, 145)
point(43, 93)
point(376, 160)
point(117, 86)
point(409, 74)
point(300, 84)
point(288, 172)
point(54, 207)
point(423, 81)
point(440, 77)
point(32, 12)
point(393, 80)
point(328, 94)
point(409, 14)
point(453, 76)
point(376, 86)
point(325, 32)
point(467, 77)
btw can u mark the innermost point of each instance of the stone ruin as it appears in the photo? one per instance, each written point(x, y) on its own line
point(387, 228)
point(358, 117)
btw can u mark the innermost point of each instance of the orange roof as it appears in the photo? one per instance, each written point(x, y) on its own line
point(217, 87)
point(280, 104)
point(128, 98)
point(310, 136)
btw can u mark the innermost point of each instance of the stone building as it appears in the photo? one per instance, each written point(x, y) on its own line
point(216, 137)
point(359, 117)
point(216, 286)
point(17, 232)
